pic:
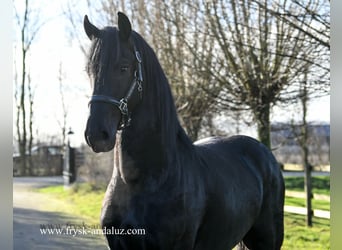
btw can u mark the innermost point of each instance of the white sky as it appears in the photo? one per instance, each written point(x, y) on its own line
point(53, 47)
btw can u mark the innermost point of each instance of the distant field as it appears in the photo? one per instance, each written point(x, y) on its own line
point(298, 167)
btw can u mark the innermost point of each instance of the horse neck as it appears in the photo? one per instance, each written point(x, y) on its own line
point(142, 155)
point(151, 146)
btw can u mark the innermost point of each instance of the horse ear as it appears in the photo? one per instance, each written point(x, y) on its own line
point(125, 27)
point(91, 30)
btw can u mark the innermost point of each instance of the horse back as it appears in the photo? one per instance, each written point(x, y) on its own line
point(236, 154)
point(243, 179)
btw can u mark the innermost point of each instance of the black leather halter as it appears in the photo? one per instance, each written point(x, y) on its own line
point(122, 104)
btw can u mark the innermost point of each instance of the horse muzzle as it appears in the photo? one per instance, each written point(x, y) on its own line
point(98, 145)
point(100, 140)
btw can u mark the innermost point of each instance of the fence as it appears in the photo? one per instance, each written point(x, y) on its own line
point(40, 165)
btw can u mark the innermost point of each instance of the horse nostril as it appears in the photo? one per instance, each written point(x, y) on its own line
point(105, 135)
point(99, 137)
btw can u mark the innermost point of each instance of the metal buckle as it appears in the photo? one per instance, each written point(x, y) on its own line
point(140, 86)
point(123, 106)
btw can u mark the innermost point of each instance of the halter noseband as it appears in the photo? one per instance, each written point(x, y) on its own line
point(122, 104)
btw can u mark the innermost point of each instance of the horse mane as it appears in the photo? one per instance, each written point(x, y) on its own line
point(158, 96)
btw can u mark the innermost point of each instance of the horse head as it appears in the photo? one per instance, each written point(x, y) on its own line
point(115, 70)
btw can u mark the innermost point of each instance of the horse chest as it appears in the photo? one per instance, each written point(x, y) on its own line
point(175, 213)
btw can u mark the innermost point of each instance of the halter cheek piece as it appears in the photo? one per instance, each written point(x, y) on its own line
point(122, 104)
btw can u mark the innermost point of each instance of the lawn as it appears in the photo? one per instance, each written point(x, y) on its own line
point(85, 201)
point(81, 200)
point(320, 185)
point(299, 202)
point(297, 235)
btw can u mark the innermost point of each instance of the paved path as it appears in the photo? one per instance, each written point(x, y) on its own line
point(30, 211)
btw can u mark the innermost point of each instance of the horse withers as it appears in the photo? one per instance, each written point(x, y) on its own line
point(211, 194)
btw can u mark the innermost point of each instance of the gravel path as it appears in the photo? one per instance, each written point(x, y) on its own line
point(31, 215)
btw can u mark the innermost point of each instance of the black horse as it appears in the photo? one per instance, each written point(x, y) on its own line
point(208, 195)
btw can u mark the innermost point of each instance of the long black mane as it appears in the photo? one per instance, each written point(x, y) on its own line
point(158, 97)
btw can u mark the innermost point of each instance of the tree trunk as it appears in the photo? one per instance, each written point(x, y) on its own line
point(308, 186)
point(23, 139)
point(305, 150)
point(192, 126)
point(29, 26)
point(262, 116)
point(30, 143)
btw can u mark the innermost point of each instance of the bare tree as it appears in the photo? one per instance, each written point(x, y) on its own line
point(313, 14)
point(175, 25)
point(261, 57)
point(30, 91)
point(63, 123)
point(29, 24)
point(75, 19)
point(311, 17)
point(305, 150)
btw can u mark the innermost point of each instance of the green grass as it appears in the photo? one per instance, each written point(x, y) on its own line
point(84, 200)
point(299, 202)
point(300, 237)
point(297, 235)
point(320, 185)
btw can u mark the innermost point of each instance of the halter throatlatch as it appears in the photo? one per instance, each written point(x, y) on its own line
point(122, 104)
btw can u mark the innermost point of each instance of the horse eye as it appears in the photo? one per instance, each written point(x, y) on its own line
point(124, 68)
